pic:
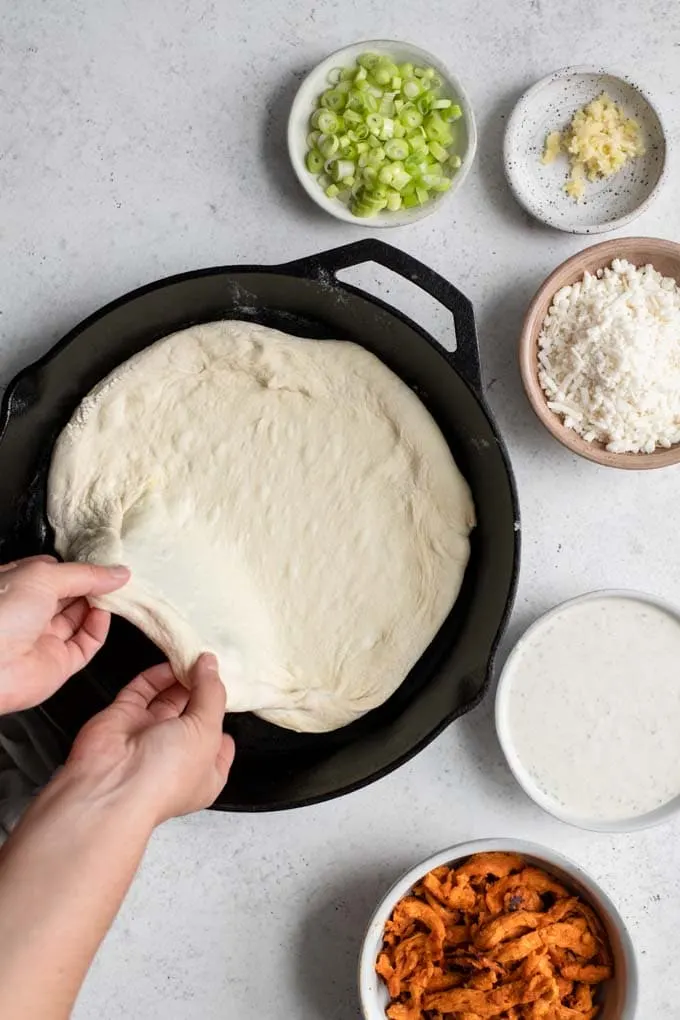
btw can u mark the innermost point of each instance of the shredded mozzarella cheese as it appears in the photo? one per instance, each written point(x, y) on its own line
point(609, 358)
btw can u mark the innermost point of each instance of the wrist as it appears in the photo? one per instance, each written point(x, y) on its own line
point(104, 797)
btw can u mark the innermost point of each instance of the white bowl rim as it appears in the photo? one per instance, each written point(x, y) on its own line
point(402, 218)
point(516, 115)
point(644, 821)
point(601, 901)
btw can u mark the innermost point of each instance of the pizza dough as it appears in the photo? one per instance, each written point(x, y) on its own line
point(287, 504)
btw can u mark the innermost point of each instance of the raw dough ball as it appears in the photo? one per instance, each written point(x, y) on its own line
point(288, 504)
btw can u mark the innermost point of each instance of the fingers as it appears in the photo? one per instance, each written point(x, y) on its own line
point(148, 685)
point(70, 619)
point(225, 758)
point(88, 638)
point(71, 580)
point(169, 703)
point(208, 698)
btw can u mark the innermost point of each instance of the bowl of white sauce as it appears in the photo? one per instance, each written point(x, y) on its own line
point(588, 711)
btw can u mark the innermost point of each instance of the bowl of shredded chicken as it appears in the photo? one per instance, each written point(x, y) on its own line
point(497, 928)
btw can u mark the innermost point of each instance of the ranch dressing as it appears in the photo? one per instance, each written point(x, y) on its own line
point(593, 707)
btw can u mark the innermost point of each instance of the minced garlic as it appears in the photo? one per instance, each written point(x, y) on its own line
point(599, 141)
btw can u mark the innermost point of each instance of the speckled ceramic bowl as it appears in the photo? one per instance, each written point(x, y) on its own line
point(620, 994)
point(549, 106)
point(305, 103)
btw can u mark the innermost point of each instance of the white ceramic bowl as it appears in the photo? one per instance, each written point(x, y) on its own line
point(620, 994)
point(504, 730)
point(304, 105)
point(549, 106)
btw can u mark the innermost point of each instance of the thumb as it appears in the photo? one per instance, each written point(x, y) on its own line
point(208, 699)
point(72, 580)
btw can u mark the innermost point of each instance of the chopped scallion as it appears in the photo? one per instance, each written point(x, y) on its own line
point(381, 137)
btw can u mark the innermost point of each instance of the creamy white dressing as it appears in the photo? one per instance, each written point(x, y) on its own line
point(593, 707)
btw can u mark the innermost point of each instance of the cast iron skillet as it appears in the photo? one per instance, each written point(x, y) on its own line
point(276, 768)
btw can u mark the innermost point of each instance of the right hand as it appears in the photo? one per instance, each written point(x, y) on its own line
point(159, 743)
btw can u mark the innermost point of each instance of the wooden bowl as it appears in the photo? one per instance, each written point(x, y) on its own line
point(665, 257)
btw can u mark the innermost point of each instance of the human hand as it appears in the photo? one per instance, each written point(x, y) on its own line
point(48, 631)
point(159, 743)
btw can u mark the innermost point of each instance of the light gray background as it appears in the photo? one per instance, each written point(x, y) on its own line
point(143, 139)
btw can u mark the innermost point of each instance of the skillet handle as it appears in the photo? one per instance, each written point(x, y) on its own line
point(466, 355)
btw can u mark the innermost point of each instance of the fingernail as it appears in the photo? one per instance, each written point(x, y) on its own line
point(119, 571)
point(210, 662)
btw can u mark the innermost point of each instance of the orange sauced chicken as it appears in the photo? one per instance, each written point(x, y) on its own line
point(493, 937)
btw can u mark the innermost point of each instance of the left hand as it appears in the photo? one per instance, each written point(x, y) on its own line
point(48, 630)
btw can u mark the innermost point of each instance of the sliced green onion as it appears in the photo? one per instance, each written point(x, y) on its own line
point(417, 143)
point(368, 60)
point(374, 123)
point(351, 117)
point(376, 157)
point(381, 136)
point(443, 184)
point(436, 129)
point(400, 178)
point(430, 180)
point(396, 148)
point(328, 145)
point(334, 99)
point(410, 117)
point(383, 72)
point(314, 161)
point(438, 151)
point(341, 169)
point(326, 121)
